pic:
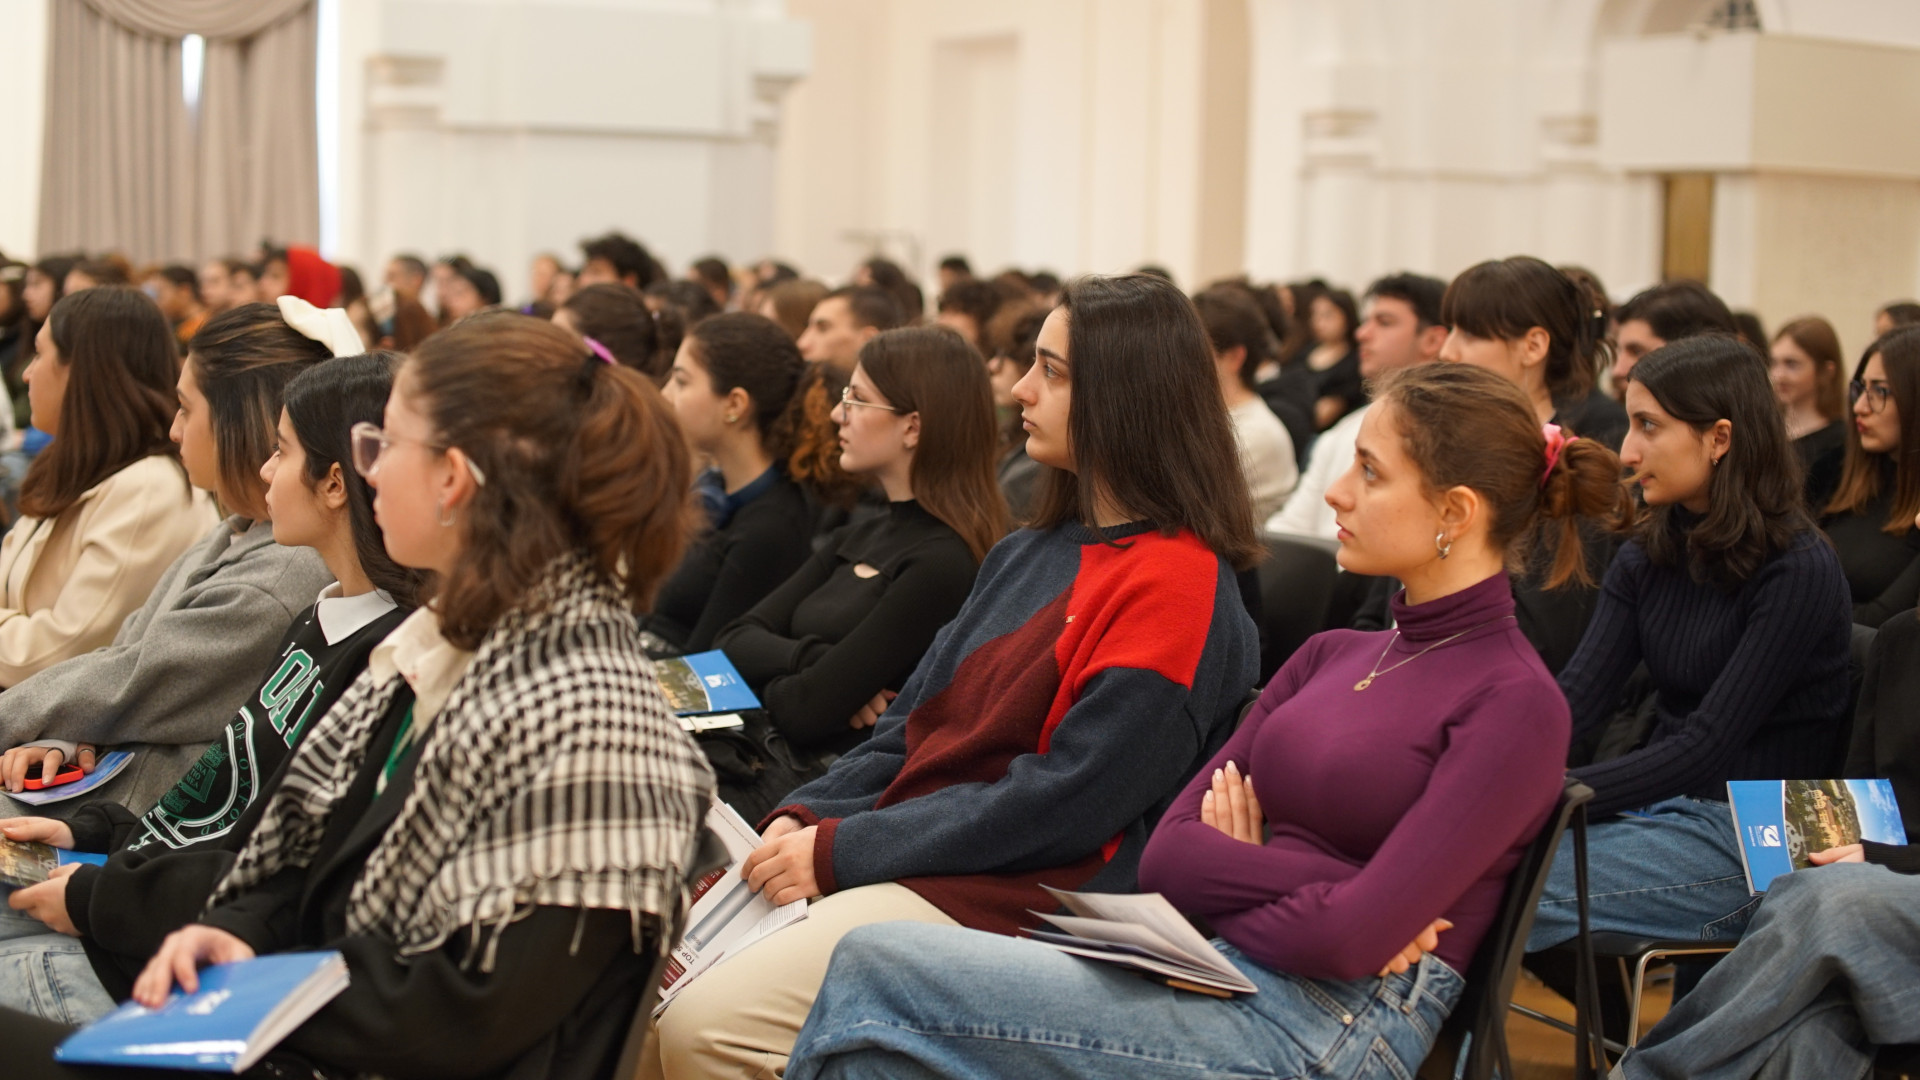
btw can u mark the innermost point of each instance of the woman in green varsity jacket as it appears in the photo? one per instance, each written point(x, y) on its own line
point(165, 861)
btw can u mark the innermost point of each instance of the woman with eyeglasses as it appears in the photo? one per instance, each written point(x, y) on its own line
point(1738, 609)
point(829, 648)
point(183, 664)
point(1103, 655)
point(1870, 517)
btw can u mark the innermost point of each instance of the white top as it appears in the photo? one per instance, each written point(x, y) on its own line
point(429, 662)
point(1266, 456)
point(341, 617)
point(1307, 512)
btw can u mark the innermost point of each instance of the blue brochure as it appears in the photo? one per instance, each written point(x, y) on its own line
point(704, 683)
point(240, 1012)
point(1781, 822)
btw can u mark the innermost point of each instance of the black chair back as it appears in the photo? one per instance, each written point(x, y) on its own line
point(1480, 1016)
point(709, 854)
point(1297, 580)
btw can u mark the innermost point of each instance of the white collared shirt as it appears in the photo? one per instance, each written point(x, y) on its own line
point(341, 617)
point(430, 663)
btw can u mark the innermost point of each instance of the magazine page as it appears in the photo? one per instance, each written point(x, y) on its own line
point(727, 915)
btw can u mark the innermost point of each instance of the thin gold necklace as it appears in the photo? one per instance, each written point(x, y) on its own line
point(1376, 672)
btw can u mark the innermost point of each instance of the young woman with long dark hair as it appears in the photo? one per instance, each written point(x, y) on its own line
point(1103, 654)
point(1870, 517)
point(1811, 384)
point(166, 858)
point(827, 649)
point(492, 825)
point(1350, 844)
point(1738, 608)
point(180, 667)
point(106, 506)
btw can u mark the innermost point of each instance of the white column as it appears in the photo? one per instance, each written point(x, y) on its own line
point(23, 86)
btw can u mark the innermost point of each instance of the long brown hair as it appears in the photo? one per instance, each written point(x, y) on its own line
point(1815, 337)
point(1148, 424)
point(121, 364)
point(1467, 427)
point(1502, 299)
point(242, 360)
point(932, 370)
point(579, 456)
point(1860, 481)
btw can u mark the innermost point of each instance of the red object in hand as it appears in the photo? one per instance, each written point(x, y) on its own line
point(67, 775)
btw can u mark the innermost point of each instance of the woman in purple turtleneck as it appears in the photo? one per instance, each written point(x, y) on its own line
point(1396, 778)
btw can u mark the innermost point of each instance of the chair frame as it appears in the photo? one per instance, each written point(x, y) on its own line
point(705, 856)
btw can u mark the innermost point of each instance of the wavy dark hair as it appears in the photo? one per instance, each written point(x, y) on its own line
point(579, 455)
point(1862, 479)
point(753, 353)
point(1754, 499)
point(1148, 425)
point(932, 370)
point(617, 316)
point(323, 403)
point(1502, 299)
point(122, 364)
point(243, 359)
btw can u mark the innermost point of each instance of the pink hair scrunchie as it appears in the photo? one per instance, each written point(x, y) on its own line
point(1557, 441)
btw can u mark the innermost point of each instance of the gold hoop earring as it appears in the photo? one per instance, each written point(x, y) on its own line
point(1442, 544)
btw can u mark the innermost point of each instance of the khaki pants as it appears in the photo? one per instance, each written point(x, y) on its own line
point(740, 1019)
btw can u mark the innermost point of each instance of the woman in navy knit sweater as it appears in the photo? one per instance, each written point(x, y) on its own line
point(1740, 611)
point(1350, 844)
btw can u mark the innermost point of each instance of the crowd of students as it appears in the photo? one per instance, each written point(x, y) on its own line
point(994, 573)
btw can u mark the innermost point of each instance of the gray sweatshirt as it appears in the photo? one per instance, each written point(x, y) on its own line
point(178, 669)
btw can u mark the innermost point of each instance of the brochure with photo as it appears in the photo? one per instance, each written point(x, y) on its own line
point(727, 916)
point(1781, 822)
point(703, 684)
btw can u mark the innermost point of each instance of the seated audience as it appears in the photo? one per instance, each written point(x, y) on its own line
point(966, 307)
point(1351, 844)
point(618, 259)
point(167, 858)
point(1808, 379)
point(619, 321)
point(216, 287)
point(465, 290)
point(492, 824)
point(889, 276)
point(712, 273)
point(1522, 319)
point(1103, 655)
point(1738, 609)
point(1324, 377)
point(93, 273)
point(180, 666)
point(1827, 968)
point(176, 289)
point(1662, 314)
point(828, 648)
point(730, 387)
point(1870, 517)
point(106, 506)
point(1240, 339)
point(677, 307)
point(1016, 338)
point(843, 321)
point(1402, 328)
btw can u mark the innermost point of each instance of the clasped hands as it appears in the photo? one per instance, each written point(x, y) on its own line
point(1231, 806)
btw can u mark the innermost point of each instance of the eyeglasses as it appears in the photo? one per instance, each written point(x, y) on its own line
point(369, 442)
point(847, 398)
point(1877, 394)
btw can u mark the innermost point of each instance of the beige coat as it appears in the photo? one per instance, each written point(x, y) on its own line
point(66, 584)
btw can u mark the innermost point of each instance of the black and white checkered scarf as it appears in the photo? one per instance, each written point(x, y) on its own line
point(555, 775)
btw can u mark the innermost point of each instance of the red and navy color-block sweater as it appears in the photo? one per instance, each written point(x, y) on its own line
point(1046, 730)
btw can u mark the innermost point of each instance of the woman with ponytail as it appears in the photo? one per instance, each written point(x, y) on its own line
point(732, 383)
point(492, 825)
point(1351, 843)
point(181, 666)
point(1740, 612)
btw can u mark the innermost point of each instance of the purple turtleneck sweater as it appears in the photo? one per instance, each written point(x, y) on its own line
point(1389, 807)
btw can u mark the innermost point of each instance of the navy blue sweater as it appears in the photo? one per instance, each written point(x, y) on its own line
point(1752, 683)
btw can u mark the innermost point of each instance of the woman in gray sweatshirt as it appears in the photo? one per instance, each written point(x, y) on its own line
point(180, 667)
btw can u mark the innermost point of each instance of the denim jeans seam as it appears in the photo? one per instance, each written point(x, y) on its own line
point(1042, 1037)
point(1389, 1060)
point(1650, 890)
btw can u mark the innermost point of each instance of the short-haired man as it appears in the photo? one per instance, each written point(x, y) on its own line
point(1667, 312)
point(615, 257)
point(967, 307)
point(844, 321)
point(954, 269)
point(1399, 327)
point(407, 277)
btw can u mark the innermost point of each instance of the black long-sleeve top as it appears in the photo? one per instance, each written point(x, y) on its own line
point(556, 1005)
point(1880, 566)
point(1823, 457)
point(735, 566)
point(853, 621)
point(1886, 731)
point(1752, 682)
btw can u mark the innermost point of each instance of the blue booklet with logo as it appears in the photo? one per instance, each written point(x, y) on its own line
point(1781, 822)
point(240, 1012)
point(704, 683)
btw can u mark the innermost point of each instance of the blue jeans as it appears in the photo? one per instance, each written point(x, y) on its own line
point(1830, 966)
point(1671, 870)
point(913, 1000)
point(46, 973)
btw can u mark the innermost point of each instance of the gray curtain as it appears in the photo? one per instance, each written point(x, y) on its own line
point(126, 168)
